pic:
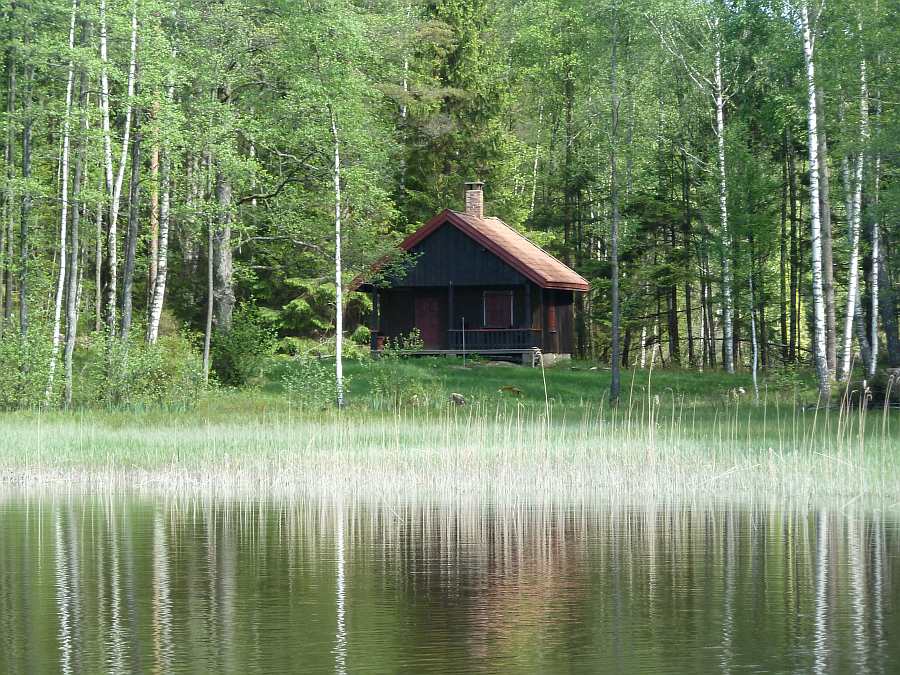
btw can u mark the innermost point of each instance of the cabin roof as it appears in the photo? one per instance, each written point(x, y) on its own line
point(513, 248)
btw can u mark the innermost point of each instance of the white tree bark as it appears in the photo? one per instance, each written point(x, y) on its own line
point(64, 211)
point(615, 354)
point(820, 354)
point(114, 186)
point(727, 306)
point(162, 259)
point(537, 158)
point(338, 284)
point(876, 261)
point(755, 344)
point(162, 262)
point(855, 220)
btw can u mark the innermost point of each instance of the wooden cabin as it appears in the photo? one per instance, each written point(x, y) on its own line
point(477, 285)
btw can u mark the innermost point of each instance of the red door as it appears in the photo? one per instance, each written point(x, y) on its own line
point(428, 320)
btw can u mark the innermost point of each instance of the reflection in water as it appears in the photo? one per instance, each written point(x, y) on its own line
point(162, 603)
point(63, 598)
point(340, 646)
point(119, 584)
point(821, 640)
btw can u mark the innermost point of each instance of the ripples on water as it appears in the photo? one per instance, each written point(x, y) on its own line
point(118, 584)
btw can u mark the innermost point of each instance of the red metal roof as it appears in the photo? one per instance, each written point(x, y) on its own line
point(511, 247)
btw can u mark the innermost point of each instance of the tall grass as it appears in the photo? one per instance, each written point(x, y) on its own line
point(659, 445)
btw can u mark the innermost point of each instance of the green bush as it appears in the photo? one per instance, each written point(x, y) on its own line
point(310, 381)
point(296, 346)
point(362, 336)
point(241, 354)
point(24, 368)
point(135, 374)
point(395, 384)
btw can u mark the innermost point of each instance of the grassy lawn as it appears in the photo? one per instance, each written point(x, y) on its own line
point(568, 385)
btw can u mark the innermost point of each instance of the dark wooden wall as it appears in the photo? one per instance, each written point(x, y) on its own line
point(562, 340)
point(448, 256)
point(468, 302)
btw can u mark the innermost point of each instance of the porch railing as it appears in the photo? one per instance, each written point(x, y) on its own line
point(494, 338)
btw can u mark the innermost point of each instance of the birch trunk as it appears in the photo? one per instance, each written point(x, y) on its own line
point(114, 185)
point(159, 239)
point(224, 291)
point(64, 211)
point(26, 201)
point(827, 239)
point(855, 220)
point(154, 207)
point(820, 353)
point(210, 300)
point(98, 264)
point(615, 382)
point(74, 286)
point(727, 307)
point(9, 191)
point(876, 263)
point(753, 340)
point(131, 237)
point(850, 209)
point(162, 265)
point(338, 282)
point(537, 158)
point(210, 275)
point(782, 263)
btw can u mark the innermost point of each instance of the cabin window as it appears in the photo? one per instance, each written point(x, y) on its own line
point(498, 309)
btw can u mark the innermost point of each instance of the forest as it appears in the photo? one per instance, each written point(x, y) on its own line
point(190, 186)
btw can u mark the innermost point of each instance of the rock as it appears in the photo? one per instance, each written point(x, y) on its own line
point(457, 399)
point(500, 364)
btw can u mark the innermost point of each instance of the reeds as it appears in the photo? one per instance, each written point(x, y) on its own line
point(661, 446)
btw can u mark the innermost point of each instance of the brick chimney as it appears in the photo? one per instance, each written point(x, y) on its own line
point(475, 199)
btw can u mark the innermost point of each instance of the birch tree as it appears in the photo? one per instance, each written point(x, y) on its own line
point(25, 217)
point(114, 184)
point(819, 353)
point(855, 217)
point(615, 356)
point(7, 250)
point(72, 293)
point(338, 280)
point(159, 253)
point(64, 207)
point(716, 88)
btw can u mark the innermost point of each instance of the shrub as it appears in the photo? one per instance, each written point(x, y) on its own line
point(25, 368)
point(361, 336)
point(136, 374)
point(395, 385)
point(240, 354)
point(310, 381)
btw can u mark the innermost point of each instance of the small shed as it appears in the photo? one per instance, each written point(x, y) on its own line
point(477, 285)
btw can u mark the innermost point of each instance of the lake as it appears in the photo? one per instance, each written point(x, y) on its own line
point(132, 583)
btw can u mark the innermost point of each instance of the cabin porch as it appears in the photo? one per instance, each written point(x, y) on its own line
point(502, 321)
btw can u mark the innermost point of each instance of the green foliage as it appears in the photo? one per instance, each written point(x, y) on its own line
point(310, 381)
point(362, 336)
point(311, 312)
point(395, 383)
point(24, 371)
point(137, 375)
point(239, 355)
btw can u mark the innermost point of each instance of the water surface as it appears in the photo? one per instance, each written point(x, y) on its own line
point(154, 584)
